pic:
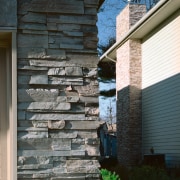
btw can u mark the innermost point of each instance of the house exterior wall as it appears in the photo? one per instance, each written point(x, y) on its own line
point(57, 90)
point(128, 87)
point(8, 14)
point(160, 90)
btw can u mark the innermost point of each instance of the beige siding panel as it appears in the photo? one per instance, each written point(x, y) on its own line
point(161, 91)
point(161, 59)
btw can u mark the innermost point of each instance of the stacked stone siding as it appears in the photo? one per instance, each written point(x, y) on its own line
point(128, 86)
point(57, 89)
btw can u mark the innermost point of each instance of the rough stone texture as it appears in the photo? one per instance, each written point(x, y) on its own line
point(128, 86)
point(8, 13)
point(57, 89)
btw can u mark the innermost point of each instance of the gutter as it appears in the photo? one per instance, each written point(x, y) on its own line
point(145, 18)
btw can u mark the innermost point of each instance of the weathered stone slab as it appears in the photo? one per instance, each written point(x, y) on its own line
point(92, 150)
point(89, 99)
point(91, 3)
point(52, 27)
point(39, 79)
point(32, 31)
point(68, 176)
point(32, 135)
point(69, 27)
point(8, 13)
point(92, 141)
point(73, 99)
point(44, 144)
point(92, 111)
point(39, 124)
point(82, 125)
point(29, 153)
point(39, 95)
point(72, 96)
point(25, 174)
point(54, 116)
point(75, 45)
point(42, 175)
point(73, 71)
point(81, 61)
point(32, 129)
point(90, 10)
point(56, 71)
point(34, 18)
point(21, 115)
point(89, 41)
point(86, 19)
point(65, 134)
point(28, 40)
point(58, 6)
point(62, 99)
point(43, 106)
point(40, 160)
point(78, 141)
point(56, 124)
point(37, 27)
point(77, 146)
point(32, 68)
point(24, 123)
point(36, 166)
point(66, 80)
point(25, 52)
point(91, 72)
point(46, 63)
point(87, 134)
point(73, 33)
point(23, 79)
point(61, 54)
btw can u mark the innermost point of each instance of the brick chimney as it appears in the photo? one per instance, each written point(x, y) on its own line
point(128, 86)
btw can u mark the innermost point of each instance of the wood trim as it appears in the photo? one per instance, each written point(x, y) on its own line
point(9, 42)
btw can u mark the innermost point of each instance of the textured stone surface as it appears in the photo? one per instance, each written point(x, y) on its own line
point(57, 89)
point(8, 13)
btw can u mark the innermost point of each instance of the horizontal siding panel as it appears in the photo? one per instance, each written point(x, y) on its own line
point(160, 58)
point(161, 92)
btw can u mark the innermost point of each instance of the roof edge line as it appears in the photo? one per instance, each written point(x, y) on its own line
point(132, 30)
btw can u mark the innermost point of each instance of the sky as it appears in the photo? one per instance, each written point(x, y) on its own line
point(107, 29)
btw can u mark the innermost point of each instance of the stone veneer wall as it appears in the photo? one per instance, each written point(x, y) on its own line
point(128, 86)
point(57, 89)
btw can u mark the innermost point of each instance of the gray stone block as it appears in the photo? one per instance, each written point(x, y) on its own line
point(63, 134)
point(82, 125)
point(39, 79)
point(29, 153)
point(56, 71)
point(29, 40)
point(45, 106)
point(73, 71)
point(44, 144)
point(29, 52)
point(54, 116)
point(8, 13)
point(31, 17)
point(56, 124)
point(38, 95)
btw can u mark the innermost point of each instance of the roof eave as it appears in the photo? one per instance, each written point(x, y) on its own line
point(146, 24)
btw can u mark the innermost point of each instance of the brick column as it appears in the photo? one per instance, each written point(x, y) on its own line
point(128, 78)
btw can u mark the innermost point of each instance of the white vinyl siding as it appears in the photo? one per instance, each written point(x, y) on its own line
point(161, 90)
